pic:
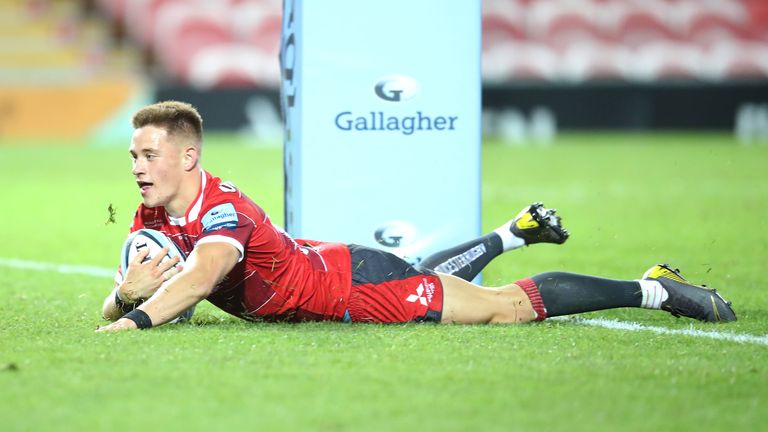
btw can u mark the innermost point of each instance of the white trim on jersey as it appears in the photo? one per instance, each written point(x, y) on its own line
point(223, 239)
point(177, 221)
point(194, 212)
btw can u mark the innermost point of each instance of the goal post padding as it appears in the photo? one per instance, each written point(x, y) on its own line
point(381, 100)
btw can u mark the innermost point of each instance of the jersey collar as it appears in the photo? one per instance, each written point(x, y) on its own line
point(193, 212)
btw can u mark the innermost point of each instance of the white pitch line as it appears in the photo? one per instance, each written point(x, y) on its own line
point(58, 268)
point(631, 326)
point(594, 322)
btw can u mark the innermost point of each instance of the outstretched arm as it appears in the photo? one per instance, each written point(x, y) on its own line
point(206, 266)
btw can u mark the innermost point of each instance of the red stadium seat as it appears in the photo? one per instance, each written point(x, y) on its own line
point(521, 60)
point(665, 61)
point(188, 30)
point(594, 61)
point(497, 29)
point(707, 28)
point(236, 42)
point(737, 60)
point(757, 10)
point(232, 65)
point(559, 24)
point(565, 28)
point(502, 21)
point(638, 26)
point(141, 17)
point(258, 24)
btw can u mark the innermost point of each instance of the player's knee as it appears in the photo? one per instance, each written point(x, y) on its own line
point(548, 278)
point(512, 307)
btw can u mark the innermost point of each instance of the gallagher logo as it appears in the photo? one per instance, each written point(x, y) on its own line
point(396, 88)
point(395, 234)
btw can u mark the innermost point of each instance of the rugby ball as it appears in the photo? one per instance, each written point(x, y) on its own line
point(154, 241)
point(148, 239)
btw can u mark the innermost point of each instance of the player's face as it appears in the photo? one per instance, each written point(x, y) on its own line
point(157, 168)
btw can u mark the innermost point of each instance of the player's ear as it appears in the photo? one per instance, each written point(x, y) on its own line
point(191, 156)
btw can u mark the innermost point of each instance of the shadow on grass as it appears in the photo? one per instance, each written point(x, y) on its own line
point(225, 322)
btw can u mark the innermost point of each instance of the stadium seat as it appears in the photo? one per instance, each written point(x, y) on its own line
point(259, 24)
point(573, 40)
point(567, 28)
point(141, 17)
point(561, 24)
point(745, 67)
point(521, 60)
point(232, 65)
point(502, 21)
point(185, 31)
point(594, 61)
point(498, 29)
point(757, 10)
point(665, 61)
point(639, 26)
point(731, 59)
point(708, 28)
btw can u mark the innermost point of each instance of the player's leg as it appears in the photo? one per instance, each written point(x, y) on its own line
point(660, 288)
point(548, 295)
point(570, 293)
point(534, 224)
point(467, 303)
point(559, 293)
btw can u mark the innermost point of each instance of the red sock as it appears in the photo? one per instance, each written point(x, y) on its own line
point(532, 291)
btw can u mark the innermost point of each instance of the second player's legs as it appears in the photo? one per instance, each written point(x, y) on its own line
point(534, 224)
point(466, 260)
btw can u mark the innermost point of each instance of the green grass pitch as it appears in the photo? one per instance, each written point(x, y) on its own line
point(699, 202)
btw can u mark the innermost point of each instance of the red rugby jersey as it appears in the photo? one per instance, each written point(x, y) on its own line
point(277, 277)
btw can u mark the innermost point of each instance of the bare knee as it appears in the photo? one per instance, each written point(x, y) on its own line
point(466, 303)
point(511, 306)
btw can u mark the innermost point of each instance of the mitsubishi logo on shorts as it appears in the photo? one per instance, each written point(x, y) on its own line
point(419, 296)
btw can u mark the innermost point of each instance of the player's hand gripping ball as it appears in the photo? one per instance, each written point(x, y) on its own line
point(154, 241)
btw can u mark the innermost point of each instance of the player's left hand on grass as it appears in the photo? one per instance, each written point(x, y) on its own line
point(119, 325)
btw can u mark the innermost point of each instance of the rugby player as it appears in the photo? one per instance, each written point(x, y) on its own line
point(243, 264)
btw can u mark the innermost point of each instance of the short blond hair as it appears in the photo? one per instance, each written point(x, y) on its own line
point(177, 118)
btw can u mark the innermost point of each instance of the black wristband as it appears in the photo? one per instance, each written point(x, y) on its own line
point(140, 317)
